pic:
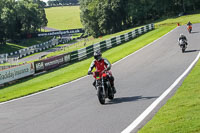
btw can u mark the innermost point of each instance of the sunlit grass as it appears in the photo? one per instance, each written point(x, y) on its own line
point(63, 18)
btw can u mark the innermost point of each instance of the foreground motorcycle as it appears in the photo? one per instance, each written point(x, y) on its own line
point(103, 86)
point(189, 28)
point(183, 45)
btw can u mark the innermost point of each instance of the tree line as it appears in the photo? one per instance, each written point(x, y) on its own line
point(62, 2)
point(19, 18)
point(100, 17)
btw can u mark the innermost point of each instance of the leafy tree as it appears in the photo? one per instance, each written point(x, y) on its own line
point(2, 25)
point(20, 17)
point(100, 17)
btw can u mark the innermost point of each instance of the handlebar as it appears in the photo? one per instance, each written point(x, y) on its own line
point(90, 73)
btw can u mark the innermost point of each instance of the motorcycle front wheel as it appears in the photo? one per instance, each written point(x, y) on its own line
point(100, 95)
point(183, 50)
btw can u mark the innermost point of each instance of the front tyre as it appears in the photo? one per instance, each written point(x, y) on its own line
point(183, 50)
point(100, 95)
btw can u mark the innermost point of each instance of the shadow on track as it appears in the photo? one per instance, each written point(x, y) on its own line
point(194, 32)
point(128, 99)
point(189, 51)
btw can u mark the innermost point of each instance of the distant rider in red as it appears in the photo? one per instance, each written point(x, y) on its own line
point(101, 64)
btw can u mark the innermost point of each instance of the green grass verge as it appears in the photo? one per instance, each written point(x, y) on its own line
point(63, 18)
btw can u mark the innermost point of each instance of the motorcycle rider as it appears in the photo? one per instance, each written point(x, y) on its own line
point(102, 64)
point(189, 26)
point(189, 23)
point(182, 38)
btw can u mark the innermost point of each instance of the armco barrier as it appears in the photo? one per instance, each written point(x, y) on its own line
point(3, 58)
point(109, 43)
point(30, 50)
point(84, 53)
point(37, 48)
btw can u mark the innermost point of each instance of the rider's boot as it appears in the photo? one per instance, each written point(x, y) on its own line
point(113, 87)
point(114, 90)
point(112, 84)
point(94, 84)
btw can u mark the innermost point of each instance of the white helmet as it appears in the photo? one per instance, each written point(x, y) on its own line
point(97, 55)
point(181, 35)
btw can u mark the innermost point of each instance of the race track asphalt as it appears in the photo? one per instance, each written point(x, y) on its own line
point(74, 108)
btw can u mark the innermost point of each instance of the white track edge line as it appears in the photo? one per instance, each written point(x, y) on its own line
point(139, 119)
point(86, 75)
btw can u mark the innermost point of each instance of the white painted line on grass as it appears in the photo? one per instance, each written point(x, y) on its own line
point(135, 123)
point(84, 76)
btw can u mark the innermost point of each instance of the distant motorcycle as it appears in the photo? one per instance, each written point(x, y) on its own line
point(183, 45)
point(189, 28)
point(103, 86)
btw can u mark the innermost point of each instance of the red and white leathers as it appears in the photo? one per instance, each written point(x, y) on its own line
point(101, 65)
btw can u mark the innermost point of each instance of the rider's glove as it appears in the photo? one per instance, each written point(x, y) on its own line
point(89, 72)
point(106, 69)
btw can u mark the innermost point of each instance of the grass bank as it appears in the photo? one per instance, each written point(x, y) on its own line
point(63, 18)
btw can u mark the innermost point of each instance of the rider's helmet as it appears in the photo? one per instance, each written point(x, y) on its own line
point(181, 35)
point(189, 23)
point(97, 55)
